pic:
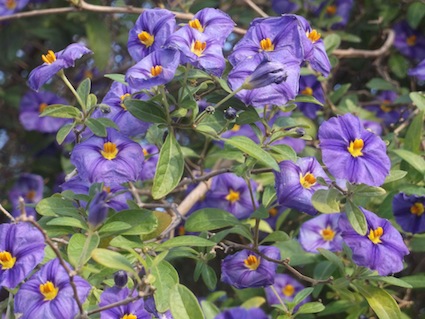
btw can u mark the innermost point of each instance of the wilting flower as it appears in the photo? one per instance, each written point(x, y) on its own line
point(410, 42)
point(246, 269)
point(311, 87)
point(336, 8)
point(418, 71)
point(353, 153)
point(32, 105)
point(242, 313)
point(150, 32)
point(98, 209)
point(130, 310)
point(155, 69)
point(48, 293)
point(388, 114)
point(286, 287)
point(321, 232)
point(381, 249)
point(113, 159)
point(30, 187)
point(8, 7)
point(54, 62)
point(409, 212)
point(21, 250)
point(151, 154)
point(296, 183)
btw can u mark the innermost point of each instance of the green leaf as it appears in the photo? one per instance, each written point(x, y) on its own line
point(307, 99)
point(418, 99)
point(112, 259)
point(380, 301)
point(326, 200)
point(390, 280)
point(277, 235)
point(166, 277)
point(395, 175)
point(99, 39)
point(269, 196)
point(416, 281)
point(107, 123)
point(116, 77)
point(336, 95)
point(183, 303)
point(146, 111)
point(209, 277)
point(363, 190)
point(380, 84)
point(188, 240)
point(209, 309)
point(68, 221)
point(416, 161)
point(398, 65)
point(83, 92)
point(76, 246)
point(96, 127)
point(56, 205)
point(62, 111)
point(114, 228)
point(63, 132)
point(210, 219)
point(332, 42)
point(254, 302)
point(248, 116)
point(332, 258)
point(249, 147)
point(141, 221)
point(169, 169)
point(311, 307)
point(302, 295)
point(282, 152)
point(413, 138)
point(415, 13)
point(356, 218)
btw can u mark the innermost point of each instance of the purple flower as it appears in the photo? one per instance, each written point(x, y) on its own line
point(410, 42)
point(336, 8)
point(286, 287)
point(151, 154)
point(150, 32)
point(353, 153)
point(284, 6)
point(372, 126)
point(30, 187)
point(98, 209)
point(49, 295)
point(418, 71)
point(266, 73)
point(131, 310)
point(296, 183)
point(114, 159)
point(381, 249)
point(8, 7)
point(311, 87)
point(246, 269)
point(21, 250)
point(321, 232)
point(409, 212)
point(242, 313)
point(54, 62)
point(389, 115)
point(155, 69)
point(32, 104)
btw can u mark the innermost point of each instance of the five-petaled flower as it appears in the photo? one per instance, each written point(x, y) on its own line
point(286, 287)
point(409, 212)
point(30, 188)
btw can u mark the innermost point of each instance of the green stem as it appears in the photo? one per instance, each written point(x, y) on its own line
point(9, 303)
point(62, 75)
point(167, 106)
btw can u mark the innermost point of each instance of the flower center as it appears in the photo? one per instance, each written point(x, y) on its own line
point(30, 196)
point(110, 150)
point(49, 58)
point(417, 209)
point(233, 196)
point(375, 235)
point(411, 41)
point(129, 316)
point(356, 147)
point(10, 4)
point(106, 189)
point(266, 44)
point(327, 234)
point(195, 24)
point(313, 36)
point(48, 290)
point(307, 91)
point(384, 106)
point(273, 211)
point(145, 152)
point(181, 230)
point(41, 107)
point(6, 260)
point(288, 290)
point(122, 98)
point(252, 262)
point(307, 180)
point(236, 128)
point(198, 47)
point(156, 70)
point(146, 38)
point(331, 10)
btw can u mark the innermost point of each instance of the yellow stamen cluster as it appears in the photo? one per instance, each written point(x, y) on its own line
point(145, 152)
point(233, 196)
point(109, 151)
point(48, 290)
point(7, 261)
point(198, 47)
point(10, 4)
point(313, 36)
point(122, 98)
point(266, 44)
point(181, 231)
point(375, 235)
point(356, 147)
point(129, 316)
point(30, 196)
point(273, 211)
point(49, 58)
point(236, 128)
point(307, 91)
point(411, 41)
point(252, 262)
point(288, 290)
point(146, 38)
point(156, 70)
point(106, 189)
point(384, 106)
point(41, 107)
point(331, 10)
point(307, 180)
point(195, 24)
point(417, 209)
point(327, 234)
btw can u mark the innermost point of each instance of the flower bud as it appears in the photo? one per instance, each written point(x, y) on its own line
point(230, 114)
point(210, 109)
point(98, 209)
point(120, 278)
point(266, 73)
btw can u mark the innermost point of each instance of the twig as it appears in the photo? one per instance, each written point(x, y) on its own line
point(4, 211)
point(256, 8)
point(194, 196)
point(134, 192)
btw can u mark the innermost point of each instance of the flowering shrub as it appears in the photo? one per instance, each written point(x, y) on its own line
point(231, 163)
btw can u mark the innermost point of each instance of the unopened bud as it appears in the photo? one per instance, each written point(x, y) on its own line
point(98, 209)
point(230, 114)
point(120, 278)
point(266, 73)
point(210, 109)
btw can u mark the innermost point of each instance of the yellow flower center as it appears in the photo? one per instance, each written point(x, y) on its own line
point(48, 290)
point(10, 4)
point(384, 106)
point(356, 147)
point(273, 211)
point(307, 180)
point(122, 98)
point(417, 209)
point(49, 58)
point(195, 24)
point(6, 260)
point(41, 107)
point(156, 70)
point(313, 36)
point(106, 189)
point(233, 196)
point(375, 235)
point(181, 231)
point(327, 234)
point(146, 38)
point(331, 10)
point(411, 41)
point(266, 45)
point(145, 152)
point(129, 316)
point(252, 262)
point(110, 150)
point(198, 47)
point(31, 195)
point(307, 91)
point(88, 74)
point(288, 290)
point(236, 128)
